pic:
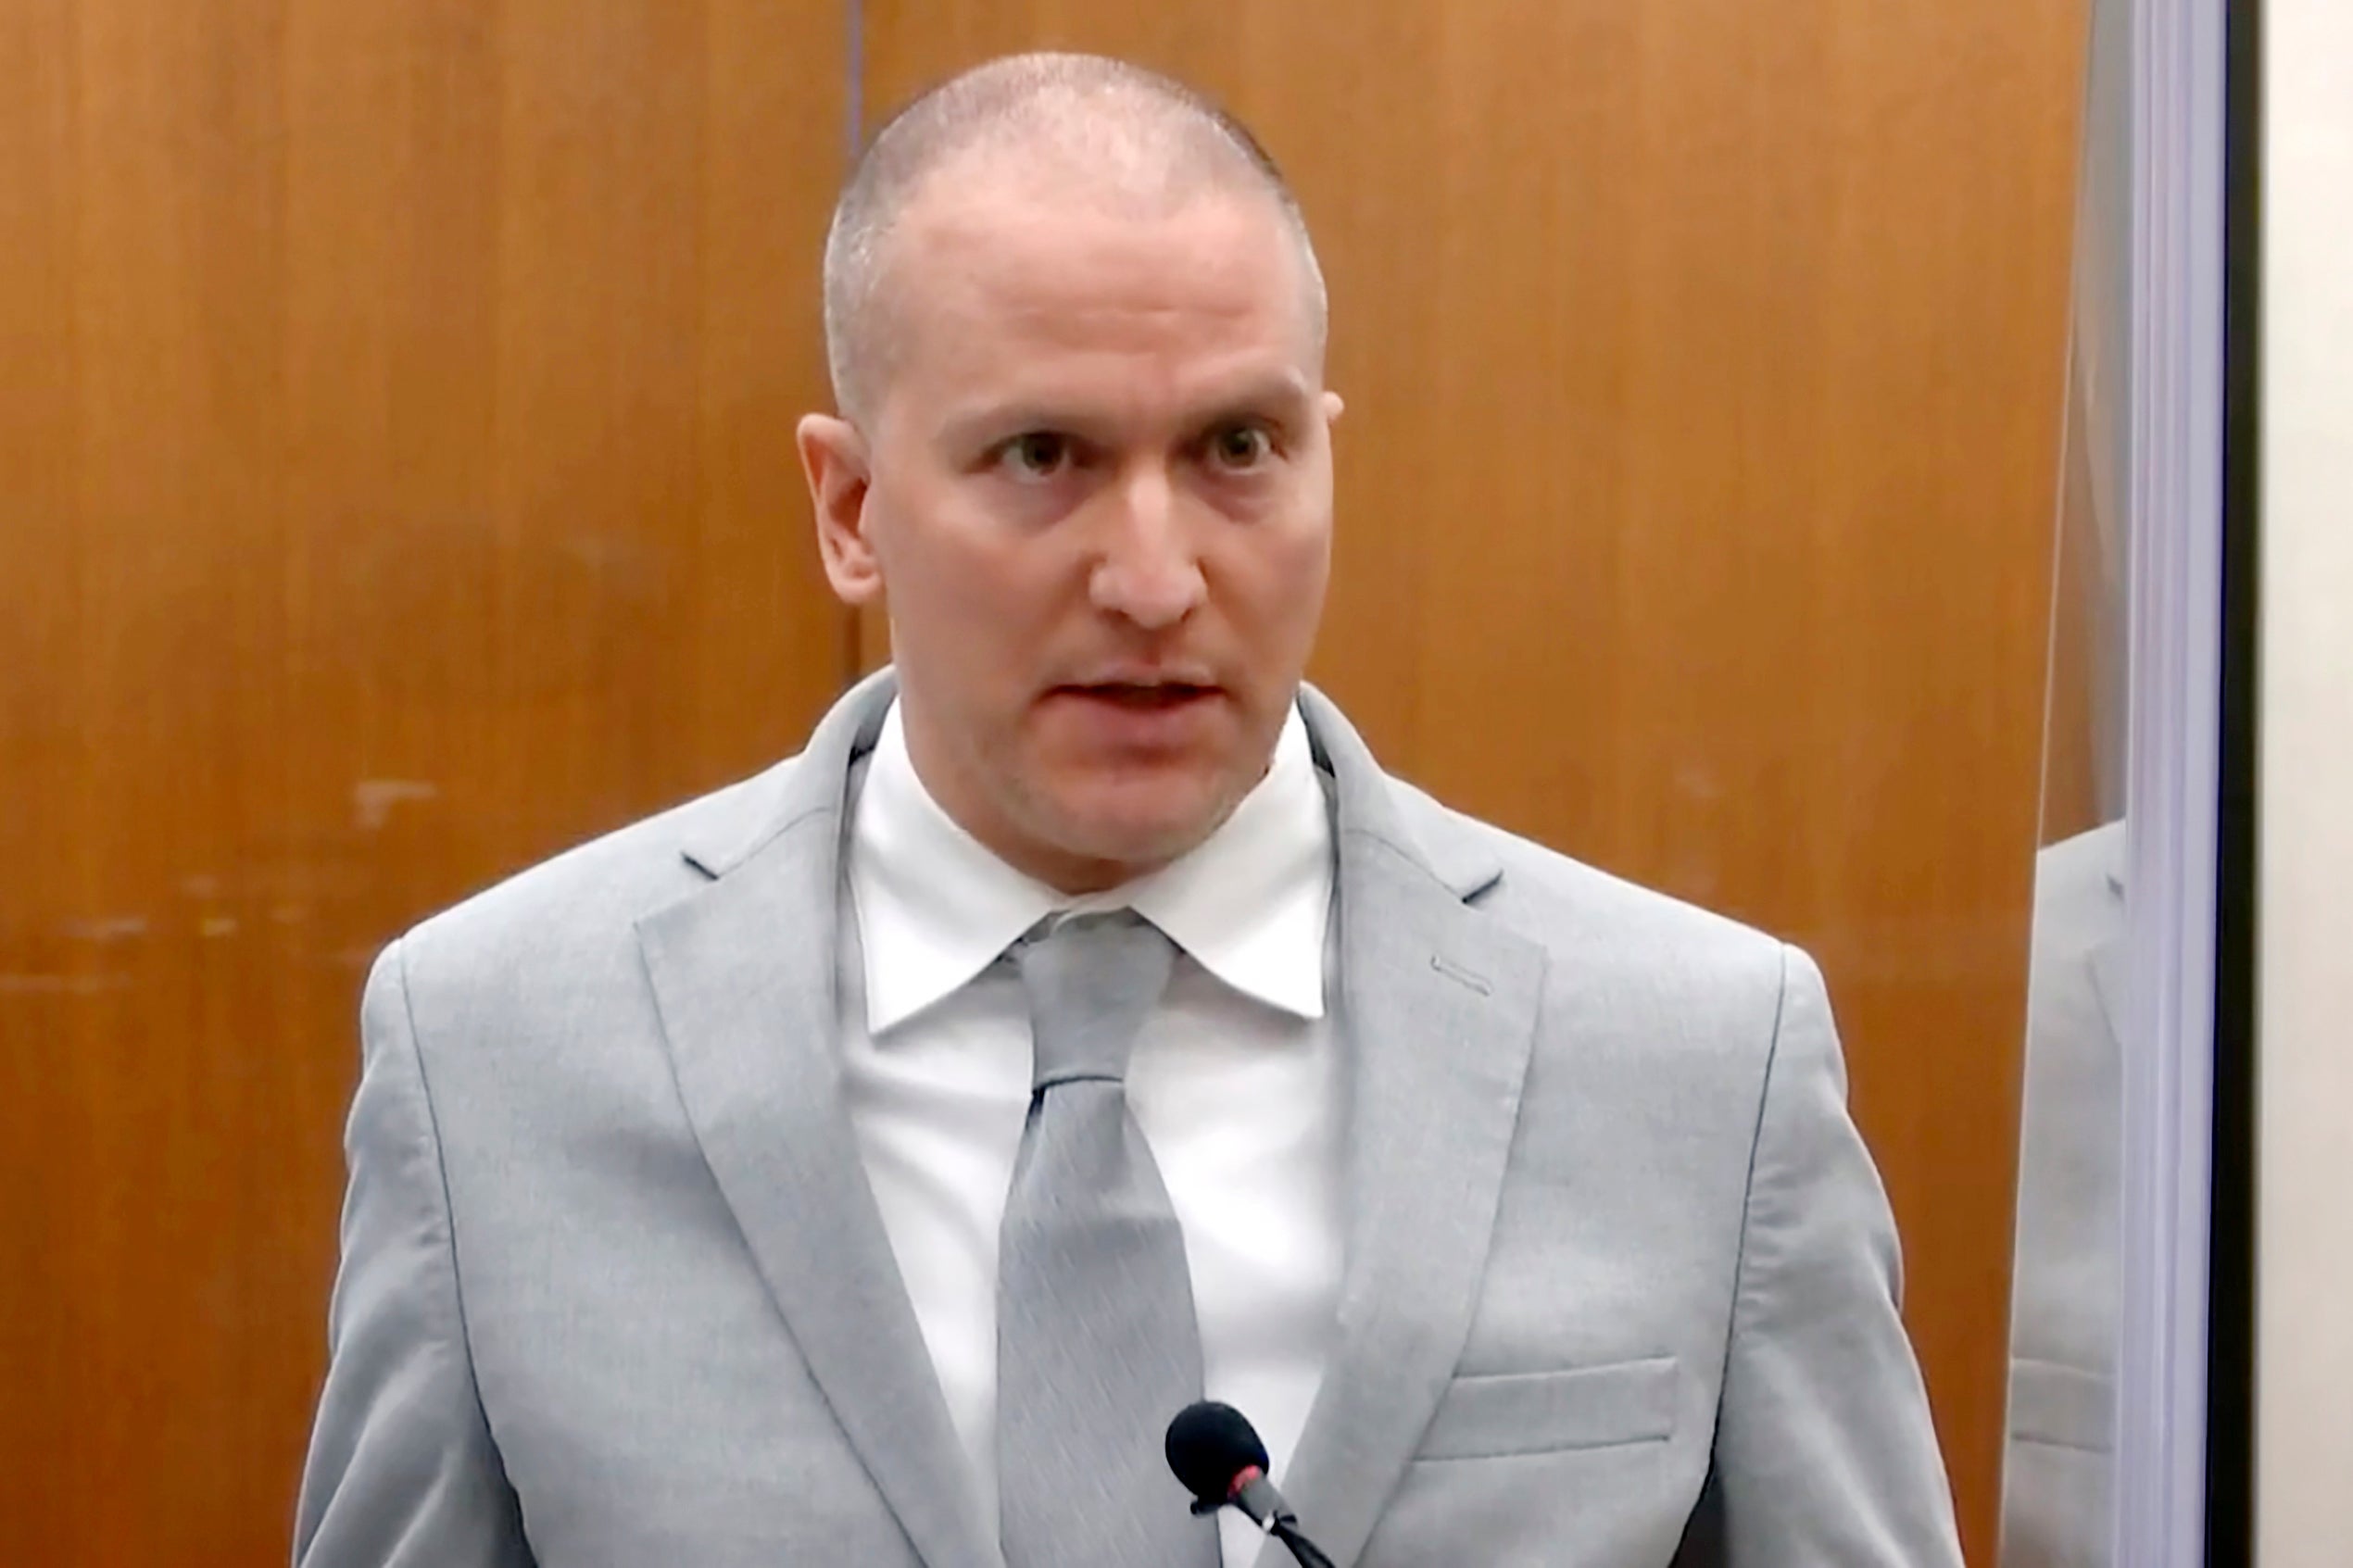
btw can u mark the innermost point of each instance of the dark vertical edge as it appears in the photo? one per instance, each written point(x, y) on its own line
point(2230, 1387)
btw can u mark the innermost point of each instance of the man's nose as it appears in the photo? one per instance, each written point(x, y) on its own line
point(1149, 572)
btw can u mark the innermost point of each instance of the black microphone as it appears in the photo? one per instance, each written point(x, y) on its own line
point(1217, 1453)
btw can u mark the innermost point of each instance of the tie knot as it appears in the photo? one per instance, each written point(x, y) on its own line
point(1091, 982)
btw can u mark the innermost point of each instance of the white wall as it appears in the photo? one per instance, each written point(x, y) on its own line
point(2304, 1488)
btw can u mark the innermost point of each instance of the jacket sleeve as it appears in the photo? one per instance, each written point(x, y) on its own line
point(402, 1469)
point(1825, 1454)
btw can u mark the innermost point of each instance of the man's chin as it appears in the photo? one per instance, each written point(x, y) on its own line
point(1136, 839)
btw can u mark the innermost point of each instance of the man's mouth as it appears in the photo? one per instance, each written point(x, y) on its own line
point(1143, 695)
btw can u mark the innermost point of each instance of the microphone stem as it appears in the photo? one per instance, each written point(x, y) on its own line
point(1301, 1547)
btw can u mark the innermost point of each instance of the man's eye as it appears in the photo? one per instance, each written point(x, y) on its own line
point(1240, 448)
point(1038, 455)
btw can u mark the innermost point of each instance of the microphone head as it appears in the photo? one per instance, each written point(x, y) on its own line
point(1210, 1445)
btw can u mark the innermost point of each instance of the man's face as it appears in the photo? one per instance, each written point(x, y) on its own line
point(1096, 490)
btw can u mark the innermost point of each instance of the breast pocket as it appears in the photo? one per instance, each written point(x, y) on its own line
point(1494, 1415)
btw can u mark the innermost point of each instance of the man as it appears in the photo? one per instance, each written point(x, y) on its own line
point(862, 1164)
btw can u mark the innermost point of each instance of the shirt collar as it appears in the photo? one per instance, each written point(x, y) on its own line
point(936, 906)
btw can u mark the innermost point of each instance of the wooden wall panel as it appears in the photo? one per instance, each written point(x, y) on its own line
point(1705, 365)
point(396, 484)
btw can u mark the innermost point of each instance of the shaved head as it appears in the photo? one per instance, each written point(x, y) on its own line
point(1066, 129)
point(1081, 456)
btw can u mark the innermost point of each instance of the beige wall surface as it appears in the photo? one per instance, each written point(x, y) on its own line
point(2304, 985)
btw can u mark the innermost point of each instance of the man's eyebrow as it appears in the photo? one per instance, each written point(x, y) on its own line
point(996, 421)
point(1287, 392)
point(1281, 393)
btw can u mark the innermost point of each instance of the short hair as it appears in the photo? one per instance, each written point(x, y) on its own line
point(1150, 131)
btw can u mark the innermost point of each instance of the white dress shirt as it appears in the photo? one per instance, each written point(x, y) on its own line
point(1234, 1081)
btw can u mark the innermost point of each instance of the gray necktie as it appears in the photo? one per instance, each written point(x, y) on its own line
point(1096, 1342)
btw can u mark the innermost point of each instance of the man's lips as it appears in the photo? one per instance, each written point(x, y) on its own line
point(1150, 714)
point(1139, 692)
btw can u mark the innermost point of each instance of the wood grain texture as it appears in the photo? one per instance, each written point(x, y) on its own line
point(1705, 364)
point(2083, 762)
point(396, 485)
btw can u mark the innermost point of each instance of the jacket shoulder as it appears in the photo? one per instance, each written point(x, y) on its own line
point(595, 893)
point(1590, 920)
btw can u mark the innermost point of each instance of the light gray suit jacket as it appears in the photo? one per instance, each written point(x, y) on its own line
point(1620, 1279)
point(2058, 1474)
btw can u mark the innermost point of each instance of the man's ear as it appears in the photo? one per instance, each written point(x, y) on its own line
point(834, 457)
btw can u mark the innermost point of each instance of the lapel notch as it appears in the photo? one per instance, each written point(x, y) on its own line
point(1437, 1013)
point(743, 974)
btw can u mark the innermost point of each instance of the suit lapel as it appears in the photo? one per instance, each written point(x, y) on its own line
point(1438, 1014)
point(743, 972)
